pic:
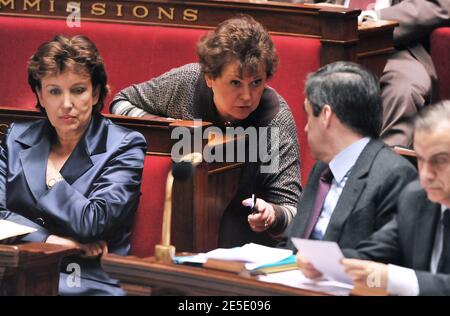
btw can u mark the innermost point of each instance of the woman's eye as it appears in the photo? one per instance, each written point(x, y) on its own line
point(79, 90)
point(55, 91)
point(257, 82)
point(235, 83)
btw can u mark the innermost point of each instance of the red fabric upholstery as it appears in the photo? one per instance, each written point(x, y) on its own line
point(148, 222)
point(440, 48)
point(132, 54)
point(298, 57)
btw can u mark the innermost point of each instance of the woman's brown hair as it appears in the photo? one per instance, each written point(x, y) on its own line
point(78, 54)
point(240, 38)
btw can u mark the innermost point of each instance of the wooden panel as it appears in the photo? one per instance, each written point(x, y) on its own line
point(375, 45)
point(32, 268)
point(297, 19)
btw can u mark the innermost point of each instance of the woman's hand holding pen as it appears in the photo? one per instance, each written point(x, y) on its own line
point(262, 216)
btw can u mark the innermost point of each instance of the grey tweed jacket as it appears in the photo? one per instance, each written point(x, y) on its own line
point(182, 93)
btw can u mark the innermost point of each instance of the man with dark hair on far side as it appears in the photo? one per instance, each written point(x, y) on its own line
point(354, 185)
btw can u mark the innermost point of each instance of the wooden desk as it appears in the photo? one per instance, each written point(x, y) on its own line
point(31, 269)
point(198, 203)
point(143, 276)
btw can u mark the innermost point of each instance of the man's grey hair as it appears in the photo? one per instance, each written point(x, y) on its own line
point(432, 115)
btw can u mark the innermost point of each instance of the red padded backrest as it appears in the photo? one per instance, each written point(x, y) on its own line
point(132, 53)
point(440, 48)
point(298, 57)
point(147, 228)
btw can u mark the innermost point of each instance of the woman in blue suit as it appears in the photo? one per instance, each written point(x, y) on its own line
point(74, 176)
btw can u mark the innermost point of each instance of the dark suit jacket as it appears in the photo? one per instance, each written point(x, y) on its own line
point(367, 201)
point(98, 197)
point(408, 240)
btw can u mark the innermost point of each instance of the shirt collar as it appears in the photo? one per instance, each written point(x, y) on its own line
point(443, 208)
point(341, 164)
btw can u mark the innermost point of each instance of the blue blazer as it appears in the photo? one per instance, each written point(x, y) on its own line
point(97, 198)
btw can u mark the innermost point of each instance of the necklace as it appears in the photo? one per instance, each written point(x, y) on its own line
point(53, 176)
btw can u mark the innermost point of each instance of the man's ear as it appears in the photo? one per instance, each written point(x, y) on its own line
point(208, 80)
point(326, 115)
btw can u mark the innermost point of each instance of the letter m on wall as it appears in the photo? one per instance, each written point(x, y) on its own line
point(6, 3)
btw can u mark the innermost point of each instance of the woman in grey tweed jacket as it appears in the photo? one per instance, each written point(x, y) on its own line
point(228, 88)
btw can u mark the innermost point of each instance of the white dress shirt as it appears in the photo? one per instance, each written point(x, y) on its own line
point(403, 281)
point(340, 166)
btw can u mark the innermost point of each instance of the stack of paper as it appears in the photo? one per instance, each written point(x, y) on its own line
point(289, 263)
point(295, 278)
point(10, 229)
point(253, 255)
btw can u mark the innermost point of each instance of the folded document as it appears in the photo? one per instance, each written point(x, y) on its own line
point(10, 229)
point(325, 256)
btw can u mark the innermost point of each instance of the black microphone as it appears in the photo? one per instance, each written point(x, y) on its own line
point(182, 170)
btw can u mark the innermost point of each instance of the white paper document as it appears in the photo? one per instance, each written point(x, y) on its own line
point(295, 278)
point(255, 255)
point(325, 256)
point(10, 229)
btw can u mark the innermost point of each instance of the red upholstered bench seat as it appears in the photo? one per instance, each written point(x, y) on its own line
point(134, 54)
point(440, 53)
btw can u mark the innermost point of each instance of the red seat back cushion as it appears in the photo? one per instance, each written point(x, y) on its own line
point(298, 57)
point(132, 53)
point(148, 220)
point(440, 48)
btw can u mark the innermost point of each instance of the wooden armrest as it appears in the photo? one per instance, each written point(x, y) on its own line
point(404, 151)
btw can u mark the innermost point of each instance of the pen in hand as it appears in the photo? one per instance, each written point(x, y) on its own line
point(253, 209)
